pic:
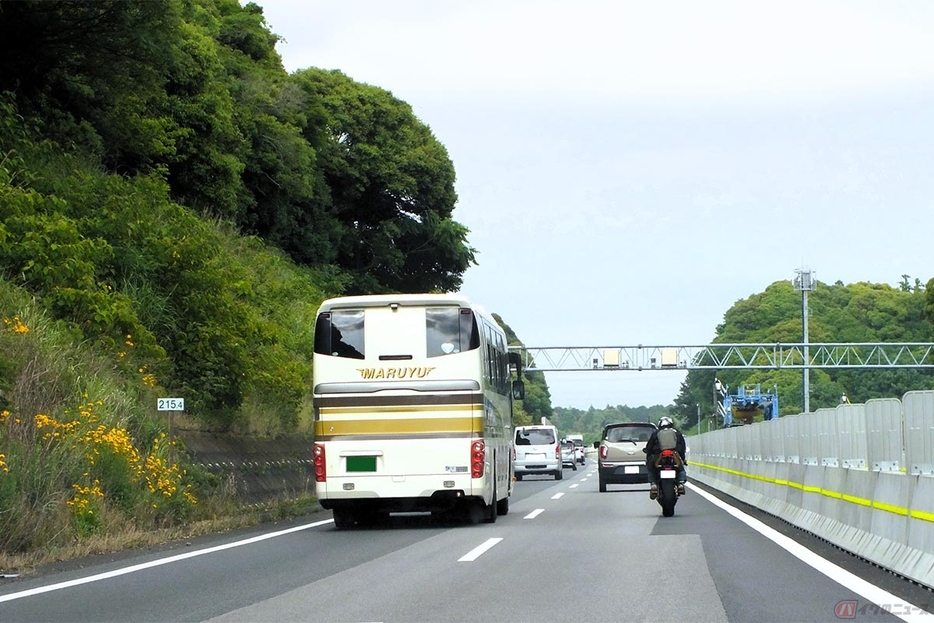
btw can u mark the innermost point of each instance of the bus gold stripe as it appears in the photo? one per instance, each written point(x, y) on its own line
point(441, 410)
point(323, 402)
point(398, 427)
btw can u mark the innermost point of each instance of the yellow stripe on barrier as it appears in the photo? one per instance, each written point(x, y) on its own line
point(890, 508)
point(898, 510)
point(856, 500)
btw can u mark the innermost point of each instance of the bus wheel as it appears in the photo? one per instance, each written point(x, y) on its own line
point(476, 512)
point(489, 510)
point(502, 506)
point(343, 518)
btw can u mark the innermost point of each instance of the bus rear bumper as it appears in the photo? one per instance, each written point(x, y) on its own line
point(399, 493)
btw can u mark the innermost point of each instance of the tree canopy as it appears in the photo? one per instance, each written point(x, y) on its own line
point(139, 140)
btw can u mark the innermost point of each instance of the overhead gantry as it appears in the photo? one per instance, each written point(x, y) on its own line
point(727, 356)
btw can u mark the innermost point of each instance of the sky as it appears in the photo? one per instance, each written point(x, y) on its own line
point(630, 170)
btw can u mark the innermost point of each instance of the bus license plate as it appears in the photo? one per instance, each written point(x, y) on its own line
point(361, 463)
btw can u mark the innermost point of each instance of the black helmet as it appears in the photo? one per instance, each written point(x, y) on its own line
point(665, 422)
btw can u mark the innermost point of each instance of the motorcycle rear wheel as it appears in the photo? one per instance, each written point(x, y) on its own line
point(667, 498)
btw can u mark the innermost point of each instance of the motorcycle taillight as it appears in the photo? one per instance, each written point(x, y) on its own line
point(668, 452)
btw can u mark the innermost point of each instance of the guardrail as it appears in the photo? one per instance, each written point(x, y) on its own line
point(860, 476)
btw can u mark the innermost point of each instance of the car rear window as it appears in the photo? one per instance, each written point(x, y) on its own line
point(629, 433)
point(535, 437)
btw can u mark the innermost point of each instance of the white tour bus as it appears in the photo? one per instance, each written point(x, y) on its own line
point(413, 408)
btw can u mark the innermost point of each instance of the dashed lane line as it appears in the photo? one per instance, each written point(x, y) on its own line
point(478, 551)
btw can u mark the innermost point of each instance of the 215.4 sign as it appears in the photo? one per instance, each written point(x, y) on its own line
point(170, 404)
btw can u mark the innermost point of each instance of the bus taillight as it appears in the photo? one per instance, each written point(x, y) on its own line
point(477, 458)
point(321, 470)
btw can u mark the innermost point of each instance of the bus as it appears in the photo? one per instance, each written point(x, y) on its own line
point(412, 397)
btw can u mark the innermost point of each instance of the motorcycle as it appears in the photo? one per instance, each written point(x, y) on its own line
point(668, 464)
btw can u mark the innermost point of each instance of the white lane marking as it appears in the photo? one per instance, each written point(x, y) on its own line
point(476, 552)
point(838, 574)
point(583, 480)
point(535, 513)
point(557, 495)
point(156, 563)
point(575, 485)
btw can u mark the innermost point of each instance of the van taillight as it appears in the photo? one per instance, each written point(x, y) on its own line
point(321, 470)
point(558, 452)
point(603, 452)
point(477, 458)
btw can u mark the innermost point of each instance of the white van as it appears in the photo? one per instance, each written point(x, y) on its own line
point(537, 451)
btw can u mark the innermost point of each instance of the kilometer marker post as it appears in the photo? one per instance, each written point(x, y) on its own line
point(171, 405)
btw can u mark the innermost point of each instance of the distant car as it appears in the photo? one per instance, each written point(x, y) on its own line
point(579, 451)
point(568, 454)
point(537, 451)
point(620, 459)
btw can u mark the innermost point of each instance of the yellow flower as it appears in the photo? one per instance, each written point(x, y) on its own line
point(16, 325)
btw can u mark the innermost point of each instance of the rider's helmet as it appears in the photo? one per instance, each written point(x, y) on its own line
point(665, 422)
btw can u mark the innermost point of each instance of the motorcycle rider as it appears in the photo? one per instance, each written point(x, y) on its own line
point(666, 437)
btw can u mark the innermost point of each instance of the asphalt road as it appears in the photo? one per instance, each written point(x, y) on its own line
point(564, 553)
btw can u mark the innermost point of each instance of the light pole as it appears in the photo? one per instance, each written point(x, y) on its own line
point(804, 284)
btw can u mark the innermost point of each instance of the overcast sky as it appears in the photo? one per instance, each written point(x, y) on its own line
point(630, 170)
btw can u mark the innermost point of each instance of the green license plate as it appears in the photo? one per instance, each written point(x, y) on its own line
point(361, 463)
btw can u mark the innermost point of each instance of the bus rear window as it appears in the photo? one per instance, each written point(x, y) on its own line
point(339, 333)
point(450, 330)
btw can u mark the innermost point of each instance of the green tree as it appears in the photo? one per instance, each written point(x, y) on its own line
point(391, 186)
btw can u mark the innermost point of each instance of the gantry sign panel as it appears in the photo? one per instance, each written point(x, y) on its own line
point(728, 356)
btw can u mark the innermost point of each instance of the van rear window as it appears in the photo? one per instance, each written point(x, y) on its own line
point(535, 437)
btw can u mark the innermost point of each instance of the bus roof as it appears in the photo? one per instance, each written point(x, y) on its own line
point(382, 300)
point(410, 300)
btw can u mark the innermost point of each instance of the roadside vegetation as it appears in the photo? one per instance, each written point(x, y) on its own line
point(174, 206)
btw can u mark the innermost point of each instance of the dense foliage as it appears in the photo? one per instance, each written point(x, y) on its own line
point(174, 206)
point(859, 312)
point(133, 132)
